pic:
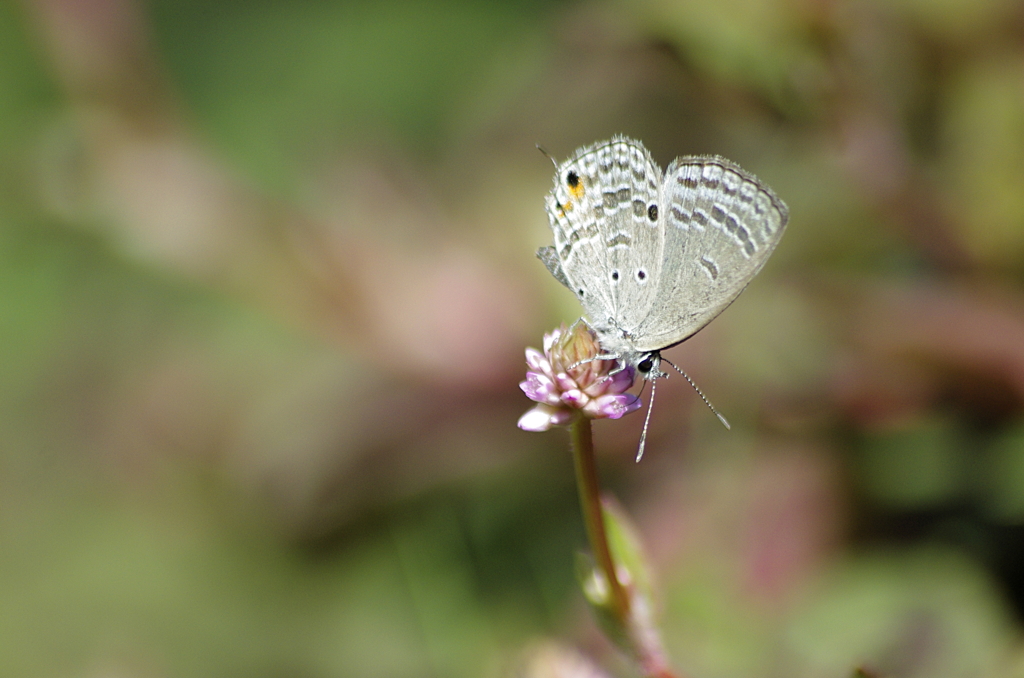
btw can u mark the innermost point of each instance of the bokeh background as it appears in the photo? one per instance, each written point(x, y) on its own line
point(266, 278)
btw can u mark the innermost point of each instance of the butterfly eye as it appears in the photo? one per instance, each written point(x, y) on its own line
point(645, 365)
point(652, 212)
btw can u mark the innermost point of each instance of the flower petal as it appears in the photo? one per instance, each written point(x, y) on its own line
point(536, 419)
point(616, 383)
point(551, 338)
point(564, 381)
point(542, 417)
point(540, 388)
point(613, 406)
point(575, 398)
point(537, 362)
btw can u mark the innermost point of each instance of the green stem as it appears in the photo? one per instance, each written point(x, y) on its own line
point(593, 514)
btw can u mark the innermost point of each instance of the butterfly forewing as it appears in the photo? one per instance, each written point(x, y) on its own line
point(720, 224)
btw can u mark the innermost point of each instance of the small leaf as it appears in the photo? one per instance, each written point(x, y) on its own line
point(598, 594)
point(627, 551)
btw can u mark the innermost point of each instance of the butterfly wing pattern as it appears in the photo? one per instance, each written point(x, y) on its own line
point(654, 257)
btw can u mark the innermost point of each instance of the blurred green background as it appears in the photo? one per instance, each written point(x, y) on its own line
point(266, 277)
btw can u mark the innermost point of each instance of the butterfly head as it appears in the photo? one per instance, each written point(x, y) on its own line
point(619, 344)
point(649, 365)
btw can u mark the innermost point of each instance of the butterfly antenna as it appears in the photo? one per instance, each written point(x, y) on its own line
point(647, 420)
point(547, 155)
point(700, 393)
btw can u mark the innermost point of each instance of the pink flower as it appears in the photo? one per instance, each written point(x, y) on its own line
point(567, 381)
